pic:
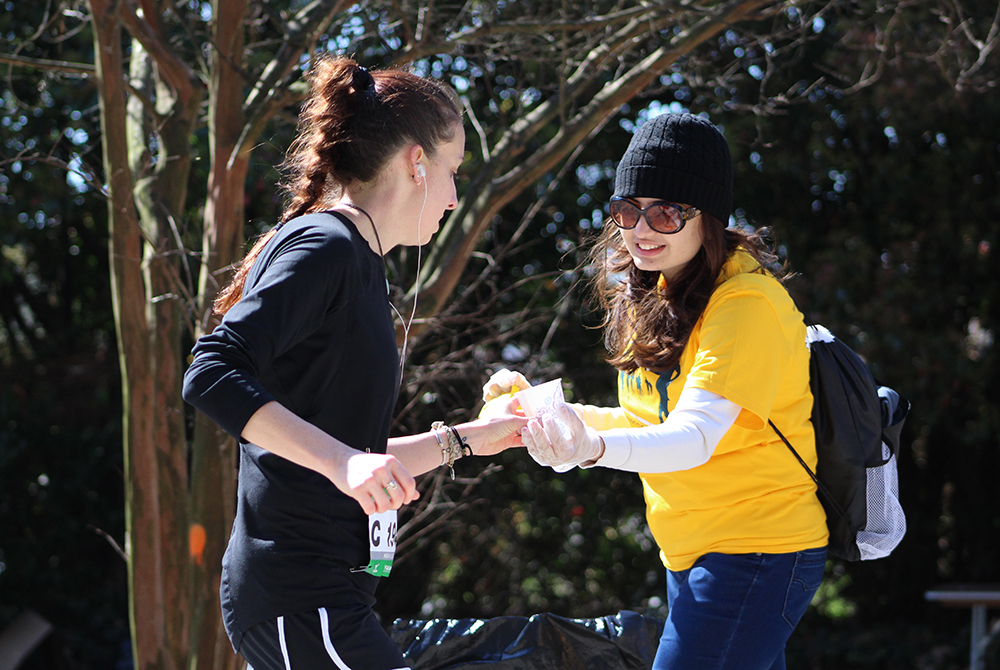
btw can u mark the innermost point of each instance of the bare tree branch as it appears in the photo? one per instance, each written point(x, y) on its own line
point(465, 226)
point(984, 47)
point(436, 511)
point(177, 73)
point(484, 146)
point(268, 95)
point(45, 65)
point(110, 540)
point(48, 159)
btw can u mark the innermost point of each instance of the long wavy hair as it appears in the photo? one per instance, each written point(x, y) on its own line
point(646, 325)
point(350, 126)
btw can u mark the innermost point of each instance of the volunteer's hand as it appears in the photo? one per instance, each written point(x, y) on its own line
point(561, 440)
point(503, 381)
point(377, 481)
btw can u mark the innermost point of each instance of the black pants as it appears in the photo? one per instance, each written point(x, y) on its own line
point(323, 639)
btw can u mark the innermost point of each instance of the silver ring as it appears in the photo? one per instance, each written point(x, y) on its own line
point(391, 485)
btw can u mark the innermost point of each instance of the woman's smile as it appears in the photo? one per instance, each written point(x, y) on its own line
point(662, 252)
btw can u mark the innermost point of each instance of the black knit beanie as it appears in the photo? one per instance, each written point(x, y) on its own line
point(681, 158)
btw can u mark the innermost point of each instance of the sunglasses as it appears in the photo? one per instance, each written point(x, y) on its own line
point(662, 216)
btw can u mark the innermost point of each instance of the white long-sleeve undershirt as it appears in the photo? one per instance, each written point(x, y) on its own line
point(685, 440)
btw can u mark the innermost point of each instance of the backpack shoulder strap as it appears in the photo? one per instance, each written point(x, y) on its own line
point(819, 485)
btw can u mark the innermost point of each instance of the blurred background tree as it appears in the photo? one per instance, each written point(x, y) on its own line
point(864, 135)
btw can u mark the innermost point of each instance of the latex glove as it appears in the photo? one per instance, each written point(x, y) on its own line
point(503, 382)
point(561, 440)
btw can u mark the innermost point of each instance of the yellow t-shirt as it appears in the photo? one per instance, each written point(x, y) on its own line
point(752, 495)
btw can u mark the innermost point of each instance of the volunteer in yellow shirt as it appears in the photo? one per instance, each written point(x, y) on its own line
point(709, 347)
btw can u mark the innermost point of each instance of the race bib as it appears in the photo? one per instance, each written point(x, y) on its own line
point(381, 543)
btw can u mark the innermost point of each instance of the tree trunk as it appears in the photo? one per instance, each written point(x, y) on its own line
point(213, 493)
point(147, 199)
point(125, 248)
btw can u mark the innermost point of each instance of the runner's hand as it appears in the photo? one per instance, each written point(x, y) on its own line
point(491, 435)
point(377, 481)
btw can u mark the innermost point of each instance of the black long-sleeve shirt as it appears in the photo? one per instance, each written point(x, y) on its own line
point(313, 331)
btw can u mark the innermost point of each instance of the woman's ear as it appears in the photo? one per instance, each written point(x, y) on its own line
point(416, 156)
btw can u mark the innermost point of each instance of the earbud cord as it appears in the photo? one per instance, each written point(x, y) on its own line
point(416, 280)
point(416, 285)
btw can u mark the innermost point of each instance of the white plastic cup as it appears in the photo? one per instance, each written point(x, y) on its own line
point(541, 399)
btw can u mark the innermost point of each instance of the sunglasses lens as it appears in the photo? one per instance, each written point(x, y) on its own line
point(624, 213)
point(663, 218)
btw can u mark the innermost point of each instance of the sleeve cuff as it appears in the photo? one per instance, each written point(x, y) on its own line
point(617, 450)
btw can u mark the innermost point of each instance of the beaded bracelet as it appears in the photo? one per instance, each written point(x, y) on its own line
point(456, 449)
point(461, 441)
point(435, 427)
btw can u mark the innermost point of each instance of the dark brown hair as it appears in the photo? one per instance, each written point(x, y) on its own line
point(350, 126)
point(647, 326)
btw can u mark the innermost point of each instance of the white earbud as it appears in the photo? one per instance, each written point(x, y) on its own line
point(421, 172)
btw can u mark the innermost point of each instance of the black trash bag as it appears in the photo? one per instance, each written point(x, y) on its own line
point(625, 641)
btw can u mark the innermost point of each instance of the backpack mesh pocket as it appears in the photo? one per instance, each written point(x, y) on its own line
point(886, 524)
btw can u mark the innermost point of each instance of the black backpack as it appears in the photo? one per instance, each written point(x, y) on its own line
point(857, 423)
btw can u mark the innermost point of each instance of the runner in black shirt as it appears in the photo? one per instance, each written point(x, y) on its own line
point(304, 371)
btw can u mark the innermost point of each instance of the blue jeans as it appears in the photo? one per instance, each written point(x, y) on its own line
point(736, 611)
